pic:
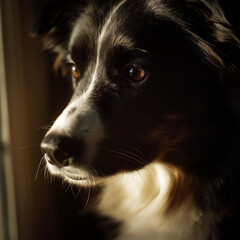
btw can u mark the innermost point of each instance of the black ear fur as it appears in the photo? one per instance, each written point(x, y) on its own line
point(50, 14)
point(46, 16)
point(53, 22)
point(231, 10)
point(208, 21)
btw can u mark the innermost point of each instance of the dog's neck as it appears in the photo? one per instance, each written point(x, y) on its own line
point(141, 202)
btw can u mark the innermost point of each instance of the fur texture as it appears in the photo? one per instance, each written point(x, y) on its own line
point(154, 116)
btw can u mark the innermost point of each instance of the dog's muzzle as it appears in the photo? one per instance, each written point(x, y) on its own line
point(73, 137)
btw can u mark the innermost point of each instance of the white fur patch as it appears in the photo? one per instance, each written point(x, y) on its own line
point(84, 123)
point(83, 118)
point(139, 201)
point(66, 123)
point(87, 94)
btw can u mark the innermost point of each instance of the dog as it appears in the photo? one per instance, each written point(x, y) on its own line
point(154, 119)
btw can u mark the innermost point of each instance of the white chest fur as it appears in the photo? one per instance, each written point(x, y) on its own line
point(140, 199)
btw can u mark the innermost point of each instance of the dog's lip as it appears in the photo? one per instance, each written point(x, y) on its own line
point(67, 171)
point(74, 176)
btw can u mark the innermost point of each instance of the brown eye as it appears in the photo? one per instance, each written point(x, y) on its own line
point(75, 71)
point(136, 74)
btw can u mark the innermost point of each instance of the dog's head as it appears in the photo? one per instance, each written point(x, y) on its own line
point(148, 80)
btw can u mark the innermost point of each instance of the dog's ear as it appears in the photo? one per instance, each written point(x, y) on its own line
point(231, 10)
point(48, 14)
point(53, 21)
point(53, 18)
point(214, 33)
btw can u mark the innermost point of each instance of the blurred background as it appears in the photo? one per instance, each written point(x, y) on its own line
point(31, 97)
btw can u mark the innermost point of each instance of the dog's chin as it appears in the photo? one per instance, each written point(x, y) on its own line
point(73, 175)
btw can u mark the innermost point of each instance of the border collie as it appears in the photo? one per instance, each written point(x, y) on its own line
point(154, 119)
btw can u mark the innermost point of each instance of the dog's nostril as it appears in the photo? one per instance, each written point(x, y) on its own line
point(61, 156)
point(61, 149)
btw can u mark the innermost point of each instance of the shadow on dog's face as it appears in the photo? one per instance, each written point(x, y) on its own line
point(141, 94)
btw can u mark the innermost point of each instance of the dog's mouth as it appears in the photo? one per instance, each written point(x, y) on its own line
point(71, 174)
point(74, 177)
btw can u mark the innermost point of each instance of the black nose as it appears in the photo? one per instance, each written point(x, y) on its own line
point(61, 150)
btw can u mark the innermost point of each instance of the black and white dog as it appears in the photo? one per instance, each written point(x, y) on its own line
point(154, 119)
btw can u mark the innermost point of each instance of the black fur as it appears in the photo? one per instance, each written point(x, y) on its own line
point(187, 112)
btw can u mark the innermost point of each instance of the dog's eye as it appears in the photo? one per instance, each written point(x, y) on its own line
point(136, 73)
point(75, 71)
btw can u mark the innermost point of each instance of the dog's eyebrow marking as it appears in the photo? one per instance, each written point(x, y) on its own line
point(100, 39)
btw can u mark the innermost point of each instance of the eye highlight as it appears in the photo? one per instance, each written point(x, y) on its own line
point(75, 71)
point(135, 74)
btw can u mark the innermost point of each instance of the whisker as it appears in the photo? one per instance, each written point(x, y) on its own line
point(141, 156)
point(75, 196)
point(101, 186)
point(29, 146)
point(46, 173)
point(129, 158)
point(136, 155)
point(88, 197)
point(138, 151)
point(80, 193)
point(40, 163)
point(95, 171)
point(44, 127)
point(120, 177)
point(67, 187)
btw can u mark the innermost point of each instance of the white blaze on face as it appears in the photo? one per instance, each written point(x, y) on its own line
point(82, 121)
point(99, 43)
point(77, 119)
point(80, 118)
